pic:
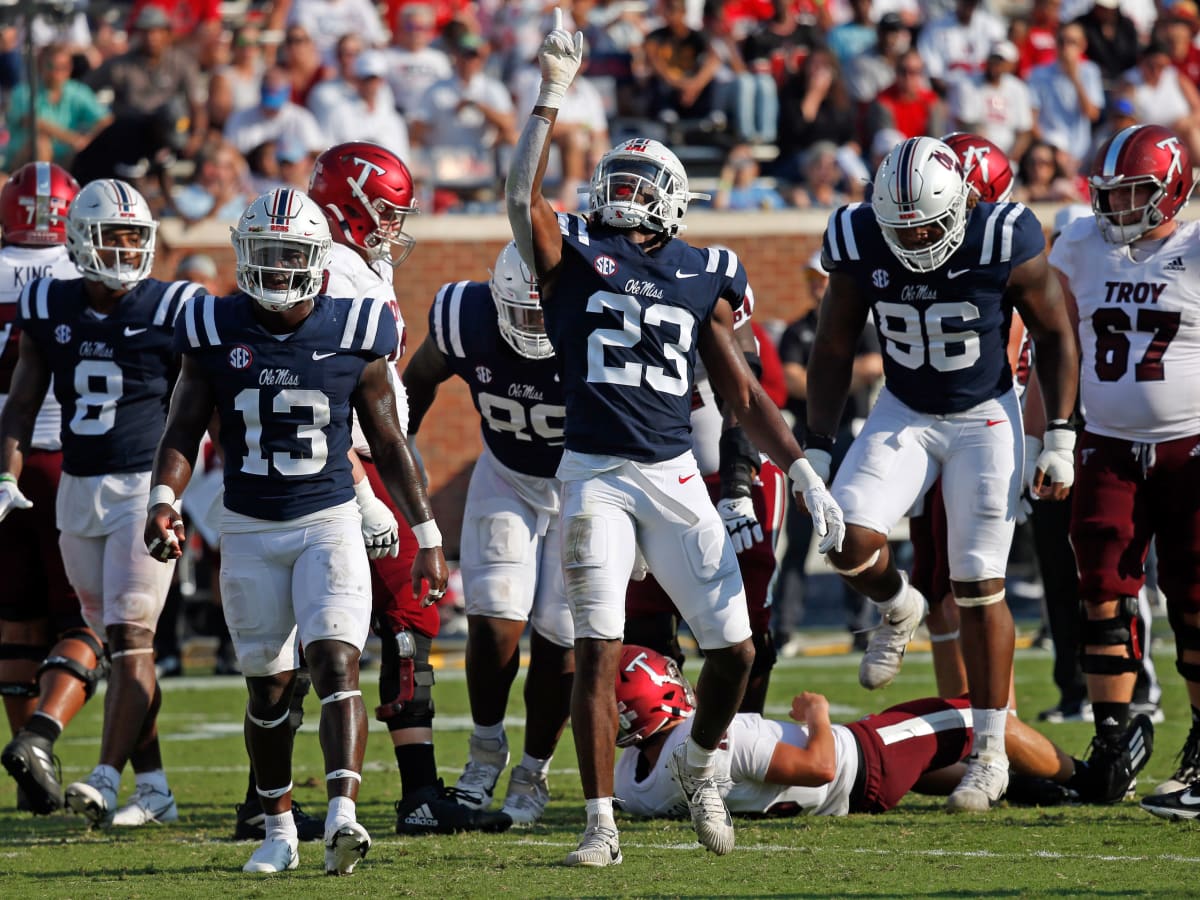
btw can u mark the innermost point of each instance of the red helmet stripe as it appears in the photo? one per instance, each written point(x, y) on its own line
point(1114, 150)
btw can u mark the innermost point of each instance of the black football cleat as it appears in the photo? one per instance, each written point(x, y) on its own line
point(30, 760)
point(252, 824)
point(1112, 765)
point(1183, 804)
point(1029, 790)
point(434, 810)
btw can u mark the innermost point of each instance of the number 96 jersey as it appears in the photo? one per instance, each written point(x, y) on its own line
point(285, 403)
point(944, 334)
point(1139, 332)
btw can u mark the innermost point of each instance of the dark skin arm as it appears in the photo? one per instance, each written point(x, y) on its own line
point(547, 238)
point(375, 405)
point(831, 367)
point(30, 381)
point(426, 370)
point(815, 764)
point(1036, 294)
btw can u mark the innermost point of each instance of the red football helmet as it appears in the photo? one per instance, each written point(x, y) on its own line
point(985, 166)
point(34, 203)
point(1141, 177)
point(366, 191)
point(652, 694)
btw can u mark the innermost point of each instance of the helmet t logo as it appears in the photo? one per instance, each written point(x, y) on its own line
point(368, 169)
point(1172, 144)
point(639, 662)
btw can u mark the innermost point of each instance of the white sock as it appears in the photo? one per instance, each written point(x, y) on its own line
point(699, 760)
point(341, 811)
point(282, 827)
point(155, 778)
point(888, 605)
point(492, 732)
point(533, 764)
point(989, 729)
point(600, 812)
point(113, 776)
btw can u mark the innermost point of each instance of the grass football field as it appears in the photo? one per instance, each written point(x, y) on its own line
point(914, 851)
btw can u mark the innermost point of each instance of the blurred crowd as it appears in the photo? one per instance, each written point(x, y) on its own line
point(789, 103)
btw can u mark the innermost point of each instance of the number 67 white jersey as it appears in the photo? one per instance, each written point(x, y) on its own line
point(1139, 332)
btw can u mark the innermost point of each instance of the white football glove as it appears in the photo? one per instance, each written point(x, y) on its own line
point(380, 532)
point(1057, 459)
point(11, 497)
point(826, 514)
point(821, 462)
point(560, 57)
point(740, 521)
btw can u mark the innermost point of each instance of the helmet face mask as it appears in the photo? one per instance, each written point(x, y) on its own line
point(1141, 178)
point(920, 203)
point(641, 184)
point(518, 306)
point(282, 246)
point(652, 695)
point(34, 204)
point(111, 234)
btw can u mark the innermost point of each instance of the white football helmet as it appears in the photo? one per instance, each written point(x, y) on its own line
point(921, 184)
point(282, 245)
point(641, 184)
point(518, 305)
point(102, 209)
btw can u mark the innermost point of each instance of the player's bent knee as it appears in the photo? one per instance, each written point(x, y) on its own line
point(19, 669)
point(1121, 631)
point(765, 654)
point(91, 673)
point(406, 682)
point(852, 570)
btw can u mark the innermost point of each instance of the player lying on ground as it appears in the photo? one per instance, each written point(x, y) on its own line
point(811, 766)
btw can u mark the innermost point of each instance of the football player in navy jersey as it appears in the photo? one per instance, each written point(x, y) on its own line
point(50, 660)
point(491, 336)
point(941, 280)
point(283, 367)
point(627, 308)
point(105, 339)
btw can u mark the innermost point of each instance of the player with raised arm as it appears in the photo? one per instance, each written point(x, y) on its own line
point(105, 340)
point(283, 366)
point(627, 307)
point(812, 767)
point(940, 279)
point(491, 336)
point(1126, 275)
point(50, 660)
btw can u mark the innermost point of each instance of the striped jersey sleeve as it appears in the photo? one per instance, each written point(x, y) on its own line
point(445, 320)
point(1012, 235)
point(196, 328)
point(34, 302)
point(370, 328)
point(174, 298)
point(839, 245)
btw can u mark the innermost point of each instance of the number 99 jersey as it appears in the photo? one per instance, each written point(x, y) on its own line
point(944, 333)
point(1139, 332)
point(285, 405)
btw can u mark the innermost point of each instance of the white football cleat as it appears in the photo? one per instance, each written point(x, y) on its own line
point(148, 804)
point(599, 846)
point(710, 816)
point(477, 785)
point(345, 847)
point(528, 794)
point(273, 855)
point(94, 799)
point(983, 785)
point(885, 651)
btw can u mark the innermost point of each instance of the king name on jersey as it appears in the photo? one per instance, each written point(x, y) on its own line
point(1138, 292)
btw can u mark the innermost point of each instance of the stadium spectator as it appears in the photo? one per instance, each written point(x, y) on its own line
point(369, 113)
point(682, 66)
point(871, 73)
point(995, 104)
point(958, 43)
point(1068, 96)
point(236, 85)
point(780, 45)
point(302, 61)
point(814, 106)
point(220, 190)
point(1040, 178)
point(851, 39)
point(910, 105)
point(749, 101)
point(327, 21)
point(1112, 40)
point(413, 63)
point(69, 114)
point(740, 187)
point(1177, 30)
point(1038, 45)
point(184, 19)
point(1162, 96)
point(340, 87)
point(822, 178)
point(274, 117)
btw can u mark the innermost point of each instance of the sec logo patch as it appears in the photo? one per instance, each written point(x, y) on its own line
point(240, 357)
point(879, 278)
point(605, 265)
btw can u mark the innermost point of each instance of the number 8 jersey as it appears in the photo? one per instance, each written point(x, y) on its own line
point(624, 325)
point(285, 401)
point(944, 333)
point(1139, 331)
point(112, 374)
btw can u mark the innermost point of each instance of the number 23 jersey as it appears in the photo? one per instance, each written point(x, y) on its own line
point(1139, 332)
point(285, 402)
point(944, 334)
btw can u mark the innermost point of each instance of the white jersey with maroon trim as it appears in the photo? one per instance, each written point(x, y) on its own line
point(707, 420)
point(349, 275)
point(1139, 331)
point(743, 757)
point(18, 267)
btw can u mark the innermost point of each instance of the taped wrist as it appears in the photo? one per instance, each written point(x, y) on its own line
point(739, 463)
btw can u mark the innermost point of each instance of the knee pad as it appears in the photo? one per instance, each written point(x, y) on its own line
point(89, 675)
point(1123, 630)
point(19, 669)
point(658, 631)
point(987, 600)
point(765, 653)
point(1187, 637)
point(406, 682)
point(858, 570)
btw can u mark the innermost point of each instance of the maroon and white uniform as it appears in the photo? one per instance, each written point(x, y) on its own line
point(879, 759)
point(29, 554)
point(1139, 455)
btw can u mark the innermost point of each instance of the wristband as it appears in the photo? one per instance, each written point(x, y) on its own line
point(8, 476)
point(1060, 439)
point(1059, 425)
point(818, 441)
point(363, 492)
point(551, 95)
point(738, 463)
point(160, 493)
point(427, 535)
point(801, 472)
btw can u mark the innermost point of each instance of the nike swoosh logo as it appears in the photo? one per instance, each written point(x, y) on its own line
point(954, 273)
point(991, 422)
point(679, 274)
point(130, 332)
point(320, 356)
point(684, 479)
point(1189, 799)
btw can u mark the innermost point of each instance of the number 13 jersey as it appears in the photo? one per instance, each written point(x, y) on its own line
point(944, 334)
point(1139, 331)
